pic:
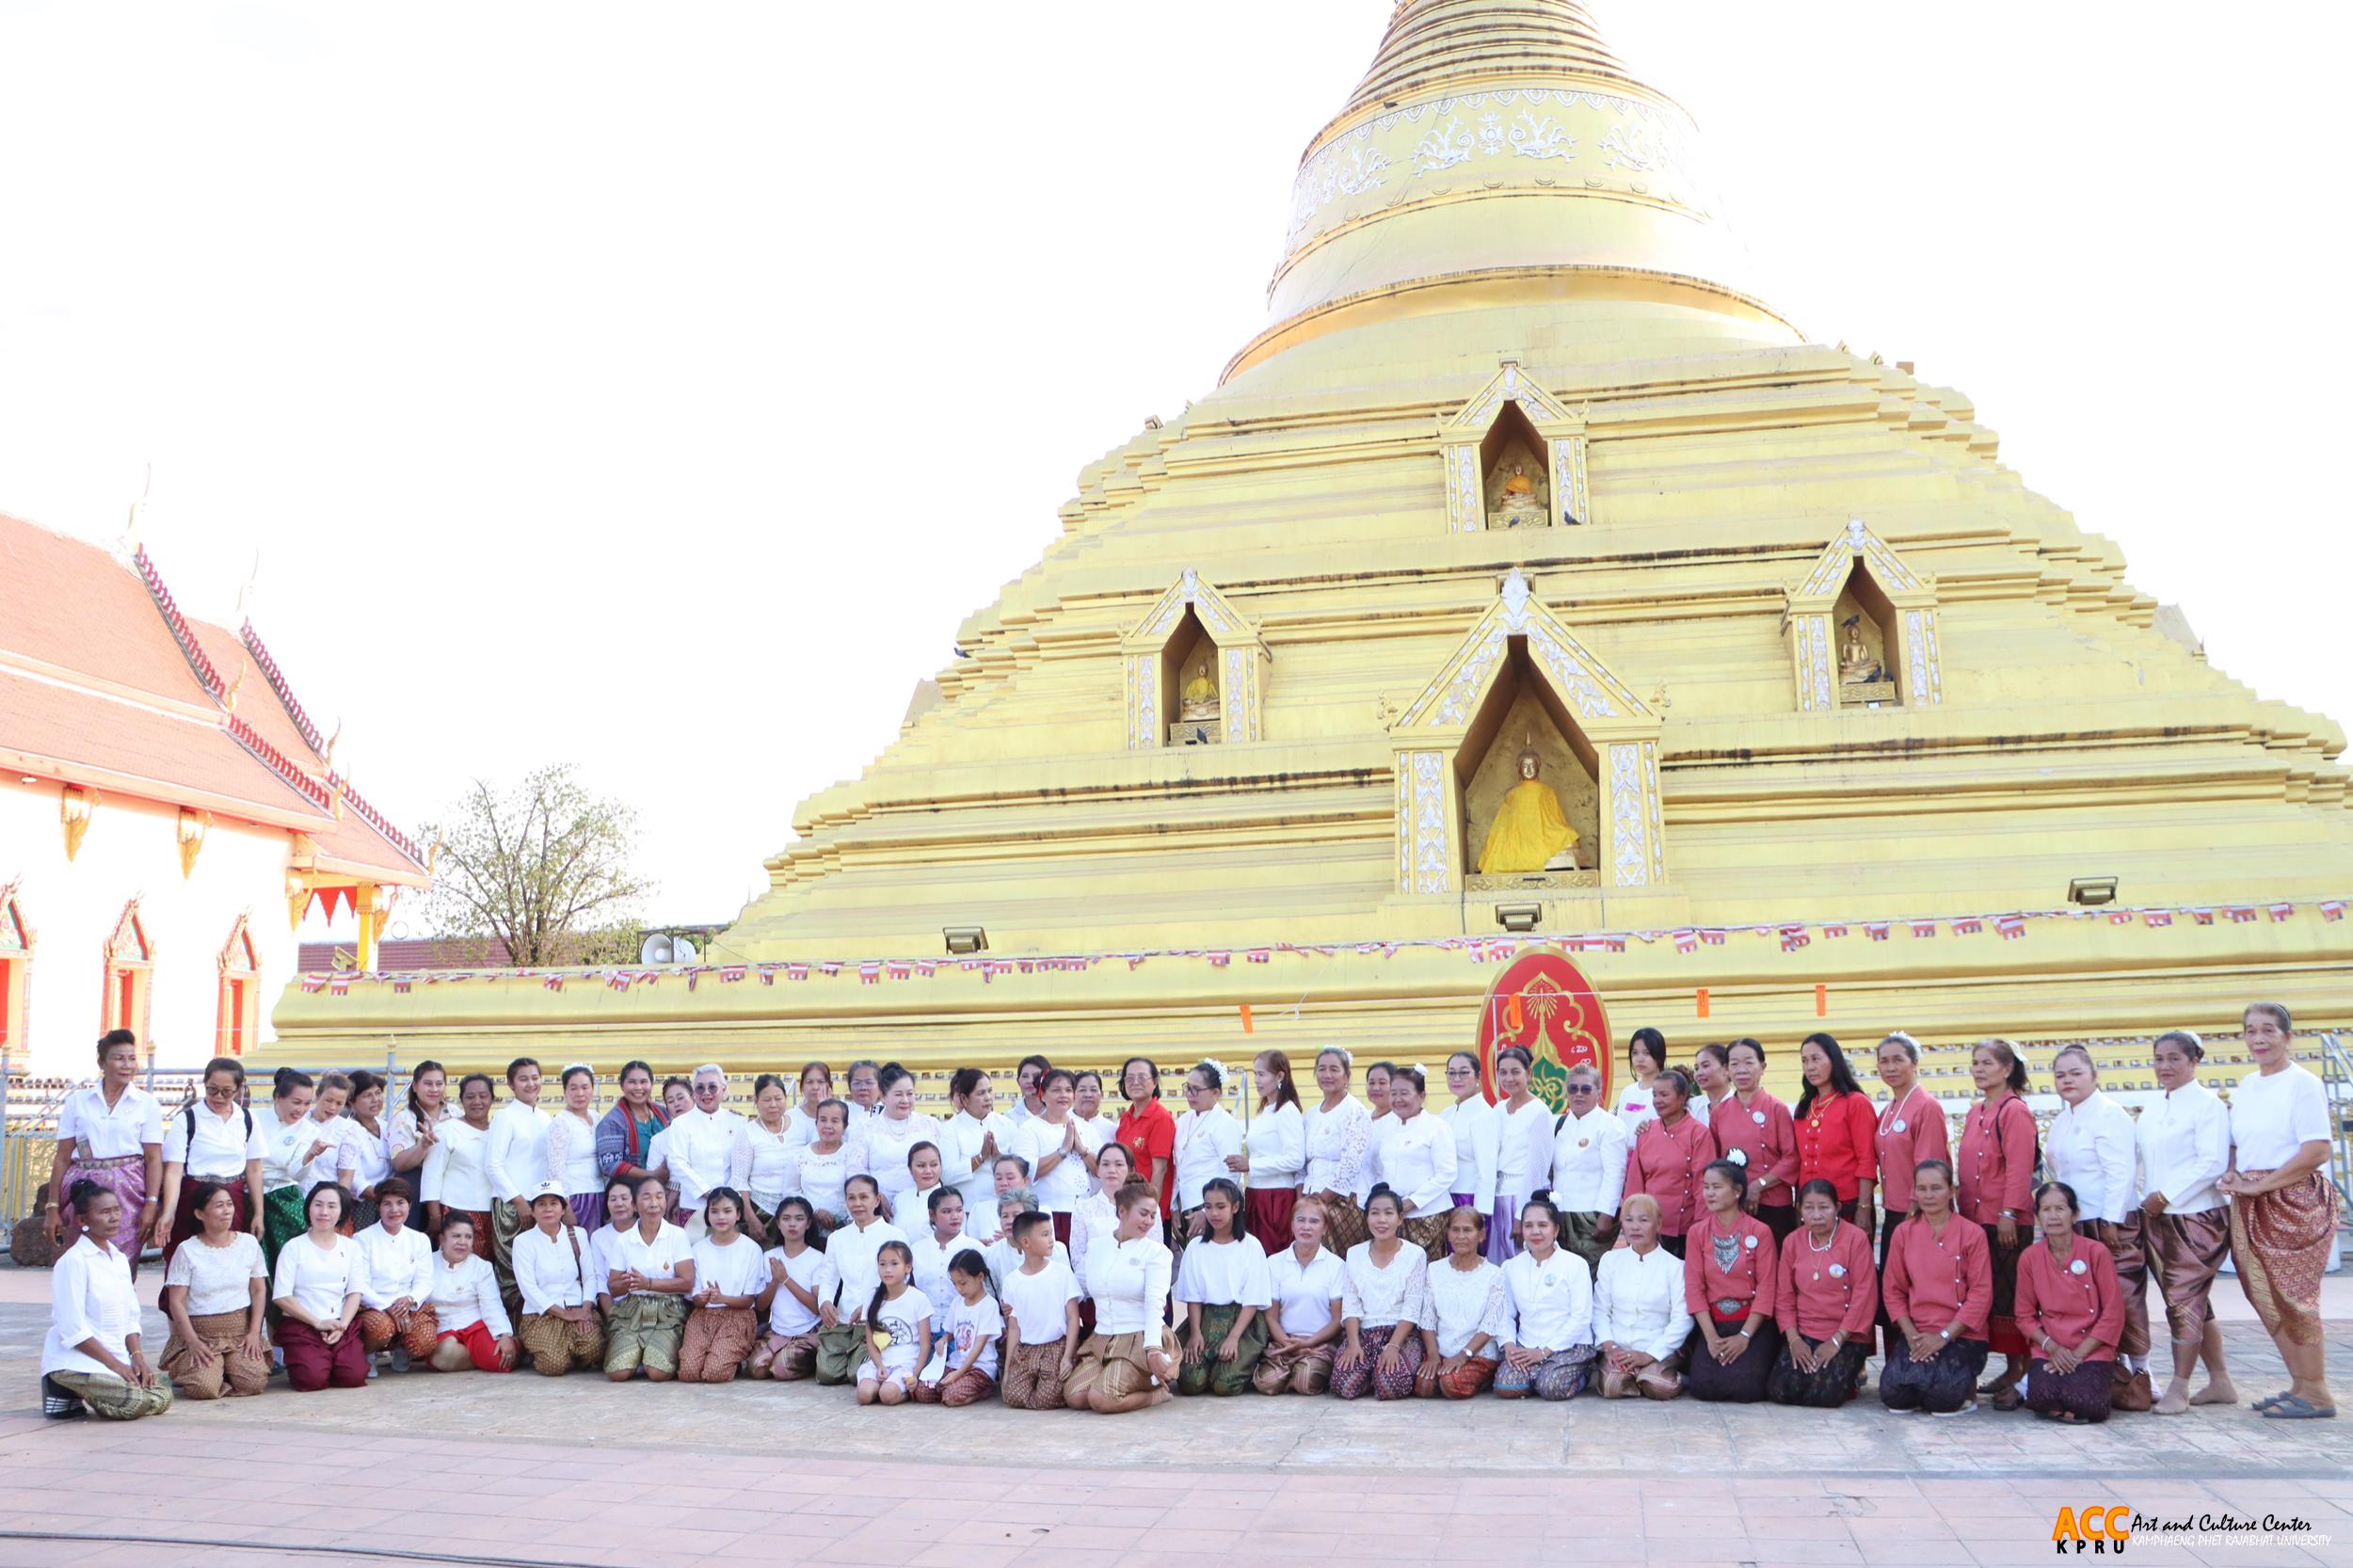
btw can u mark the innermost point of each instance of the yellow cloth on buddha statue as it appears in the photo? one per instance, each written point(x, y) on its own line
point(1519, 483)
point(1200, 689)
point(1529, 830)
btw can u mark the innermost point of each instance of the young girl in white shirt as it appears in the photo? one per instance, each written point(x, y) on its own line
point(1223, 1284)
point(797, 1283)
point(898, 1330)
point(731, 1271)
point(964, 1369)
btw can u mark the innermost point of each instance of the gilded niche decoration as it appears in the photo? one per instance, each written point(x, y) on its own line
point(1514, 456)
point(1861, 629)
point(1193, 670)
point(1525, 763)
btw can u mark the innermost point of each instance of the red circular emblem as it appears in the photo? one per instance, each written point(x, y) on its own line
point(1545, 1004)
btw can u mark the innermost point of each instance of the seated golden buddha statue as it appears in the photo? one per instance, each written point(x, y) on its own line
point(1856, 663)
point(1198, 700)
point(1517, 500)
point(1530, 831)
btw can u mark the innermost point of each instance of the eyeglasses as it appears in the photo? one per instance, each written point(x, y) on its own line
point(1581, 1089)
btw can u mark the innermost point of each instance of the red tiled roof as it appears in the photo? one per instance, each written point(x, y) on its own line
point(397, 956)
point(104, 679)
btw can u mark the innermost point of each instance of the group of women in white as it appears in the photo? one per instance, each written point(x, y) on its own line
point(1697, 1238)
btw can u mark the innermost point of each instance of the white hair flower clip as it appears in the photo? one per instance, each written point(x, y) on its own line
point(1421, 1072)
point(1225, 1074)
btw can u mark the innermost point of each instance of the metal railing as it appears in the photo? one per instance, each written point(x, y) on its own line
point(2336, 1078)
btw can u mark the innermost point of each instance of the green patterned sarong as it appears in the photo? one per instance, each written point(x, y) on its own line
point(1212, 1376)
point(645, 1331)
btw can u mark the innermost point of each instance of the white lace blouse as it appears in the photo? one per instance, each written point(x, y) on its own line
point(1378, 1297)
point(1467, 1304)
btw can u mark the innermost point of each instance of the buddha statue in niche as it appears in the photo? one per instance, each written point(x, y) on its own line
point(1519, 500)
point(1856, 663)
point(1530, 831)
point(1198, 697)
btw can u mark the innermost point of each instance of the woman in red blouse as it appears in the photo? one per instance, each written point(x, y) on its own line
point(1996, 1169)
point(1940, 1288)
point(1755, 1131)
point(2071, 1308)
point(1826, 1295)
point(1835, 1128)
point(1729, 1273)
point(1146, 1128)
point(1910, 1130)
point(1669, 1152)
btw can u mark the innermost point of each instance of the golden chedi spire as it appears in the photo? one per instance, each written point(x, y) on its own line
point(1496, 151)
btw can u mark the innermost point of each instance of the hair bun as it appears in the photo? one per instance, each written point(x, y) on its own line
point(1542, 1194)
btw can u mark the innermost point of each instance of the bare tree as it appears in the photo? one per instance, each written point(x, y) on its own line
point(543, 866)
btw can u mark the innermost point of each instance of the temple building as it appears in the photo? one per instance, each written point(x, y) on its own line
point(1528, 577)
point(168, 813)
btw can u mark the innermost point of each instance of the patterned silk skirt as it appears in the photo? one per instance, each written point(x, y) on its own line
point(2280, 1245)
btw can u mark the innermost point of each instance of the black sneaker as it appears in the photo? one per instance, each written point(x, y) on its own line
point(57, 1403)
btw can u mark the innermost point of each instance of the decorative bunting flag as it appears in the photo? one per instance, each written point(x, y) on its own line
point(1479, 949)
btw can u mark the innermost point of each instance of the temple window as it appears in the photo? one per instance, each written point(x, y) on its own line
point(240, 1003)
point(129, 977)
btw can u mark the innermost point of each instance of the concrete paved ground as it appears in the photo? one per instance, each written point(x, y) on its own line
point(524, 1469)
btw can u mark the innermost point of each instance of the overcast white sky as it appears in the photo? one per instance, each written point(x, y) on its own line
point(560, 360)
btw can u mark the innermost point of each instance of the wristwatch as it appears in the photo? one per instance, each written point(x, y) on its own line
point(1944, 1333)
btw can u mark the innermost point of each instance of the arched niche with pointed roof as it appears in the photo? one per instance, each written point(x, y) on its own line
point(126, 1001)
point(1168, 639)
point(1443, 735)
point(1860, 570)
point(1479, 437)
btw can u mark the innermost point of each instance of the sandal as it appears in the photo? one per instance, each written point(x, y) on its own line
point(2295, 1407)
point(2270, 1399)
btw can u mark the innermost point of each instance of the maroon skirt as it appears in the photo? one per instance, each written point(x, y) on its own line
point(183, 1221)
point(1268, 1209)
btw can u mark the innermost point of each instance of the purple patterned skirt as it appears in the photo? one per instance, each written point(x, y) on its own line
point(125, 1177)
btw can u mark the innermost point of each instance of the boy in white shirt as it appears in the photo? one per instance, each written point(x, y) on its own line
point(1041, 1303)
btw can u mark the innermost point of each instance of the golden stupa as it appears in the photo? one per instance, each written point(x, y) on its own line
point(1521, 462)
